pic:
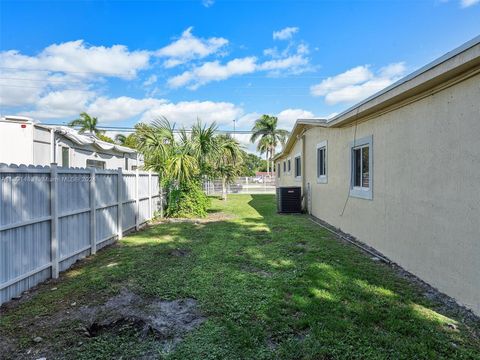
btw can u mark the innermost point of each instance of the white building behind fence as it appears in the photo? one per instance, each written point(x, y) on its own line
point(23, 141)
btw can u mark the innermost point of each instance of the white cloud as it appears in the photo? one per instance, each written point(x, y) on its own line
point(285, 33)
point(468, 3)
point(213, 71)
point(284, 62)
point(81, 59)
point(208, 3)
point(189, 47)
point(15, 92)
point(185, 113)
point(295, 64)
point(287, 117)
point(121, 108)
point(357, 83)
point(152, 79)
point(71, 66)
point(61, 104)
point(244, 140)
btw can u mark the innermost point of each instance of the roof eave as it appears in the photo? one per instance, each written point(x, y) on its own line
point(438, 71)
point(300, 124)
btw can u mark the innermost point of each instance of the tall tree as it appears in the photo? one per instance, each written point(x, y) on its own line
point(204, 145)
point(265, 130)
point(120, 139)
point(263, 147)
point(86, 123)
point(156, 141)
point(227, 160)
point(128, 141)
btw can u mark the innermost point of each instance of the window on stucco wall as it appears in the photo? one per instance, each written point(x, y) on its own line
point(298, 166)
point(361, 183)
point(322, 162)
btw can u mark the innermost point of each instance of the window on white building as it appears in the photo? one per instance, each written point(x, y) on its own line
point(65, 156)
point(96, 164)
point(322, 162)
point(298, 166)
point(361, 164)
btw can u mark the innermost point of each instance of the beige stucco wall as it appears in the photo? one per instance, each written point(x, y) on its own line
point(425, 212)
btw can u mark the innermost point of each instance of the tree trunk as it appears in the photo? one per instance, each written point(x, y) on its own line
point(224, 189)
point(268, 161)
point(273, 156)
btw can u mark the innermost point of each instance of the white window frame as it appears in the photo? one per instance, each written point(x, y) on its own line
point(299, 155)
point(322, 179)
point(289, 170)
point(358, 191)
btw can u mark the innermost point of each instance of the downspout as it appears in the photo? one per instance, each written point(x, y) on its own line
point(54, 143)
point(52, 146)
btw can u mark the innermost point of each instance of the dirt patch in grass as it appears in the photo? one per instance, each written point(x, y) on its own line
point(160, 323)
point(167, 321)
point(259, 272)
point(179, 252)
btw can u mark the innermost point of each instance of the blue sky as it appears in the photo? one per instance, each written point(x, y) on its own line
point(127, 61)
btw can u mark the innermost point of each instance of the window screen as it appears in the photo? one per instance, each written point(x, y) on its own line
point(321, 163)
point(298, 166)
point(361, 173)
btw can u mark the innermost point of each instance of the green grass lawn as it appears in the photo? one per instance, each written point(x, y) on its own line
point(271, 287)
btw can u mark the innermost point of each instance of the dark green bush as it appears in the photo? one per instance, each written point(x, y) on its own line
point(187, 201)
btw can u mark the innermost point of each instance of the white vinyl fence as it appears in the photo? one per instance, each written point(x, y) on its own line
point(242, 185)
point(50, 217)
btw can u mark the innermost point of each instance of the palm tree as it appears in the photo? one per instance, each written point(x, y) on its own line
point(228, 160)
point(270, 137)
point(204, 145)
point(263, 147)
point(120, 139)
point(191, 155)
point(157, 143)
point(86, 123)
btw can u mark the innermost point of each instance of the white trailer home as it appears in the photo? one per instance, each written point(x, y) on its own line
point(23, 141)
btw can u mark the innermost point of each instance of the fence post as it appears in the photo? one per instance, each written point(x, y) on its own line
point(161, 197)
point(150, 214)
point(54, 220)
point(137, 204)
point(246, 183)
point(119, 204)
point(93, 218)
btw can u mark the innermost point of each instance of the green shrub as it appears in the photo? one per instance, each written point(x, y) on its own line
point(187, 201)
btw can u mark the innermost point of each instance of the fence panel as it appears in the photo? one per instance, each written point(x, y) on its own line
point(242, 185)
point(51, 217)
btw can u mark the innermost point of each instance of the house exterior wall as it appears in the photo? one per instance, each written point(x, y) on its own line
point(32, 145)
point(16, 142)
point(79, 156)
point(425, 210)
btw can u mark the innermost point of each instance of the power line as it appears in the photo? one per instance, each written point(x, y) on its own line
point(40, 87)
point(69, 72)
point(132, 129)
point(43, 80)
